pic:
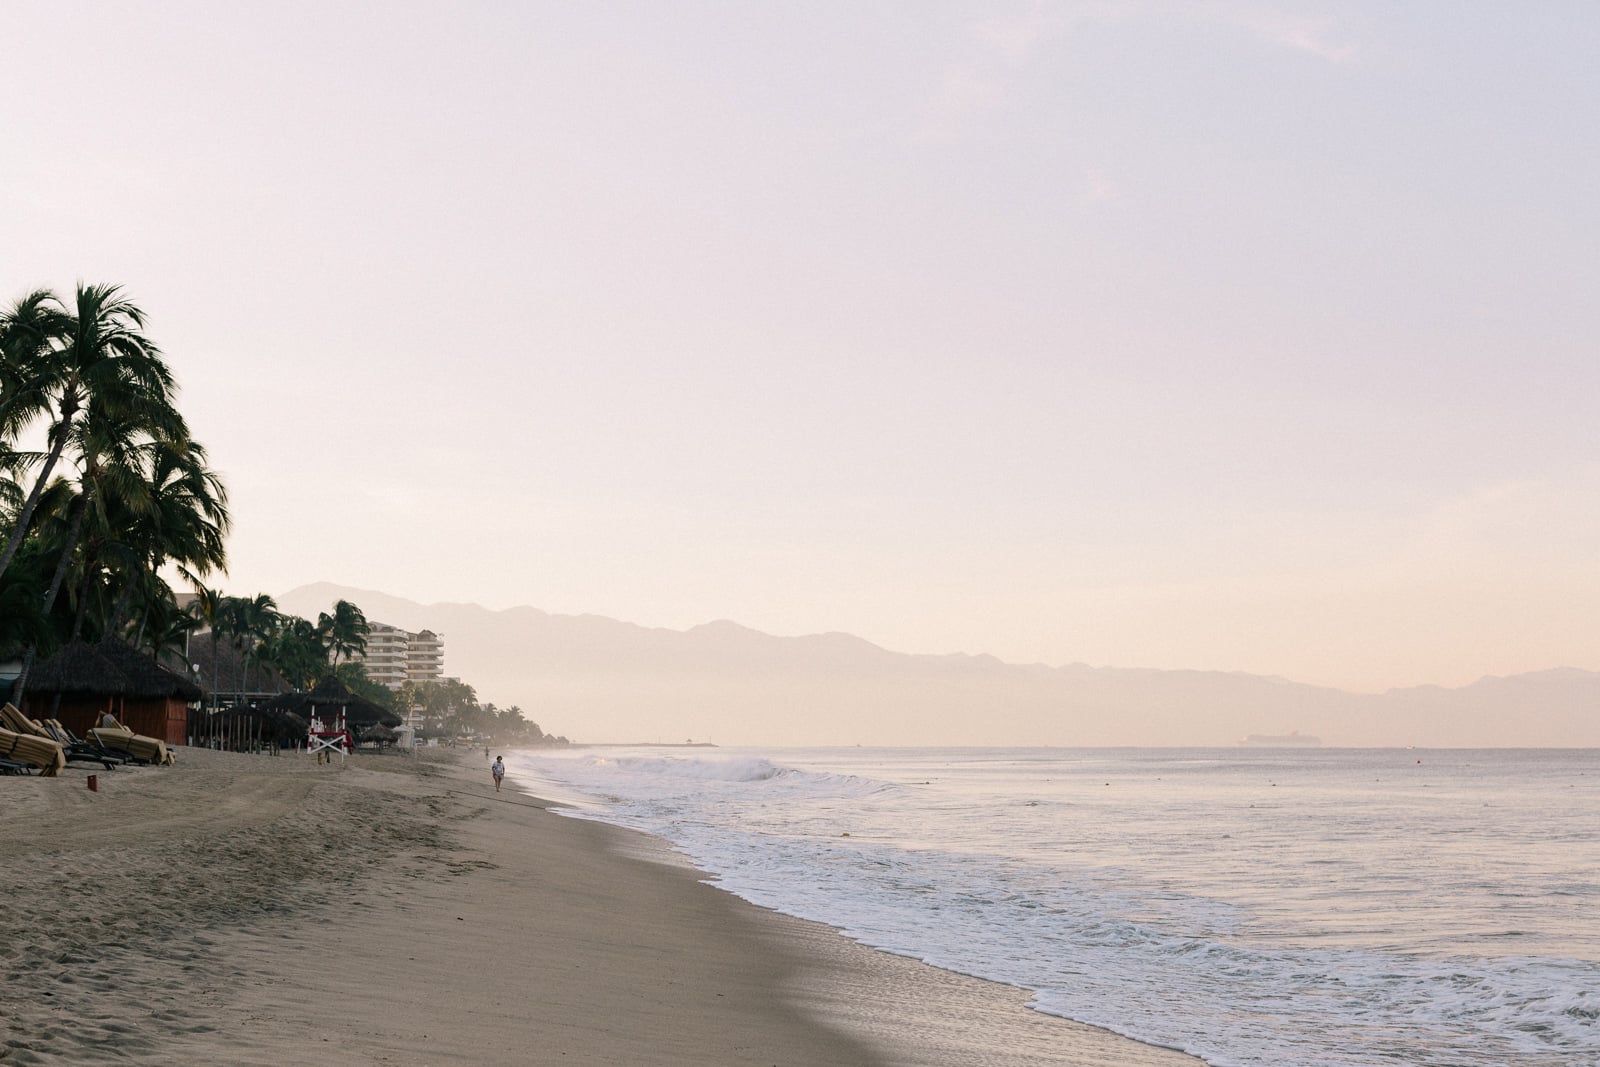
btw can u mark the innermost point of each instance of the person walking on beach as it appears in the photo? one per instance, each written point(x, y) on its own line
point(499, 772)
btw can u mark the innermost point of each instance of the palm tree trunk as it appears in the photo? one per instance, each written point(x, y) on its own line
point(83, 610)
point(56, 581)
point(120, 608)
point(20, 688)
point(25, 516)
point(144, 619)
point(74, 532)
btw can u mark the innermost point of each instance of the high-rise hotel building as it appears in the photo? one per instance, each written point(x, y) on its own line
point(395, 656)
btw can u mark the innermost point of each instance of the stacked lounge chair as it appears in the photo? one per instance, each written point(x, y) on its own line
point(119, 738)
point(71, 748)
point(87, 750)
point(30, 748)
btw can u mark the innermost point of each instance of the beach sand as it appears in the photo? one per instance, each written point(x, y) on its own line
point(266, 910)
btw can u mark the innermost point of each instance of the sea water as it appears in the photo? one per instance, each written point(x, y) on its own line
point(1252, 907)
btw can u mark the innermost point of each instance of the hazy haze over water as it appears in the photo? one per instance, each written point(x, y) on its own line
point(1233, 336)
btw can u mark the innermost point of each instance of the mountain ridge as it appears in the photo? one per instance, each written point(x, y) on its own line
point(596, 678)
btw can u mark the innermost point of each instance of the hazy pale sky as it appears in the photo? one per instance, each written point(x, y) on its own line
point(1242, 336)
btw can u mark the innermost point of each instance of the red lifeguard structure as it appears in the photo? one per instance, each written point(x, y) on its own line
point(329, 738)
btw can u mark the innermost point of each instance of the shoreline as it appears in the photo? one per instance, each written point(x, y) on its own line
point(911, 1012)
point(259, 909)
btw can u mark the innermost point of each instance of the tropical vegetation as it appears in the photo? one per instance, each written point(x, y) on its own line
point(105, 496)
point(102, 488)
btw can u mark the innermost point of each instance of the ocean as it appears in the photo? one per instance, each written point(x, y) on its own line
point(1311, 907)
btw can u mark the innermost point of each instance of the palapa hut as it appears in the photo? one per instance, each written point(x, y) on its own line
point(380, 735)
point(82, 682)
point(243, 727)
point(328, 699)
point(227, 674)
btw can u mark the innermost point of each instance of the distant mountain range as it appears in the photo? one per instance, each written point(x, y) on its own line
point(599, 679)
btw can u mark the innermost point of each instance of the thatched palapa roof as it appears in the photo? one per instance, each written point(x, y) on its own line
point(148, 677)
point(328, 697)
point(109, 668)
point(274, 723)
point(264, 713)
point(224, 668)
point(77, 670)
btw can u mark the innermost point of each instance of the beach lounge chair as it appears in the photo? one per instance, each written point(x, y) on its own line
point(141, 748)
point(11, 766)
point(12, 719)
point(78, 749)
point(40, 752)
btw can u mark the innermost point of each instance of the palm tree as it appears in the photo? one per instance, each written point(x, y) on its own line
point(258, 620)
point(231, 624)
point(95, 550)
point(115, 440)
point(60, 532)
point(26, 347)
point(13, 468)
point(192, 505)
point(63, 362)
point(146, 498)
point(181, 517)
point(26, 330)
point(23, 623)
point(168, 628)
point(411, 697)
point(40, 552)
point(139, 495)
point(296, 651)
point(345, 631)
point(206, 607)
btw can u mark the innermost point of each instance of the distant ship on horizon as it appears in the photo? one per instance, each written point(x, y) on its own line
point(1294, 739)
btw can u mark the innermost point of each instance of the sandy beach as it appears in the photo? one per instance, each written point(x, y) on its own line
point(264, 910)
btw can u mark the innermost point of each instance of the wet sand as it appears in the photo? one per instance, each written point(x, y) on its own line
point(264, 910)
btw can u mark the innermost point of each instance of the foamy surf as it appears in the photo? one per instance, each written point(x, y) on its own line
point(1254, 909)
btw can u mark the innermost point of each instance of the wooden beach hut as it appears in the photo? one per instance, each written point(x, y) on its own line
point(83, 681)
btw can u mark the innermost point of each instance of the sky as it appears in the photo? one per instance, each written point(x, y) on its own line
point(1226, 336)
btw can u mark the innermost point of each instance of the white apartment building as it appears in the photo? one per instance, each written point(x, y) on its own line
point(425, 657)
point(385, 658)
point(395, 656)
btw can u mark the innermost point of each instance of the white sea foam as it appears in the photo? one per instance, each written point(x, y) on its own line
point(752, 769)
point(1319, 909)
